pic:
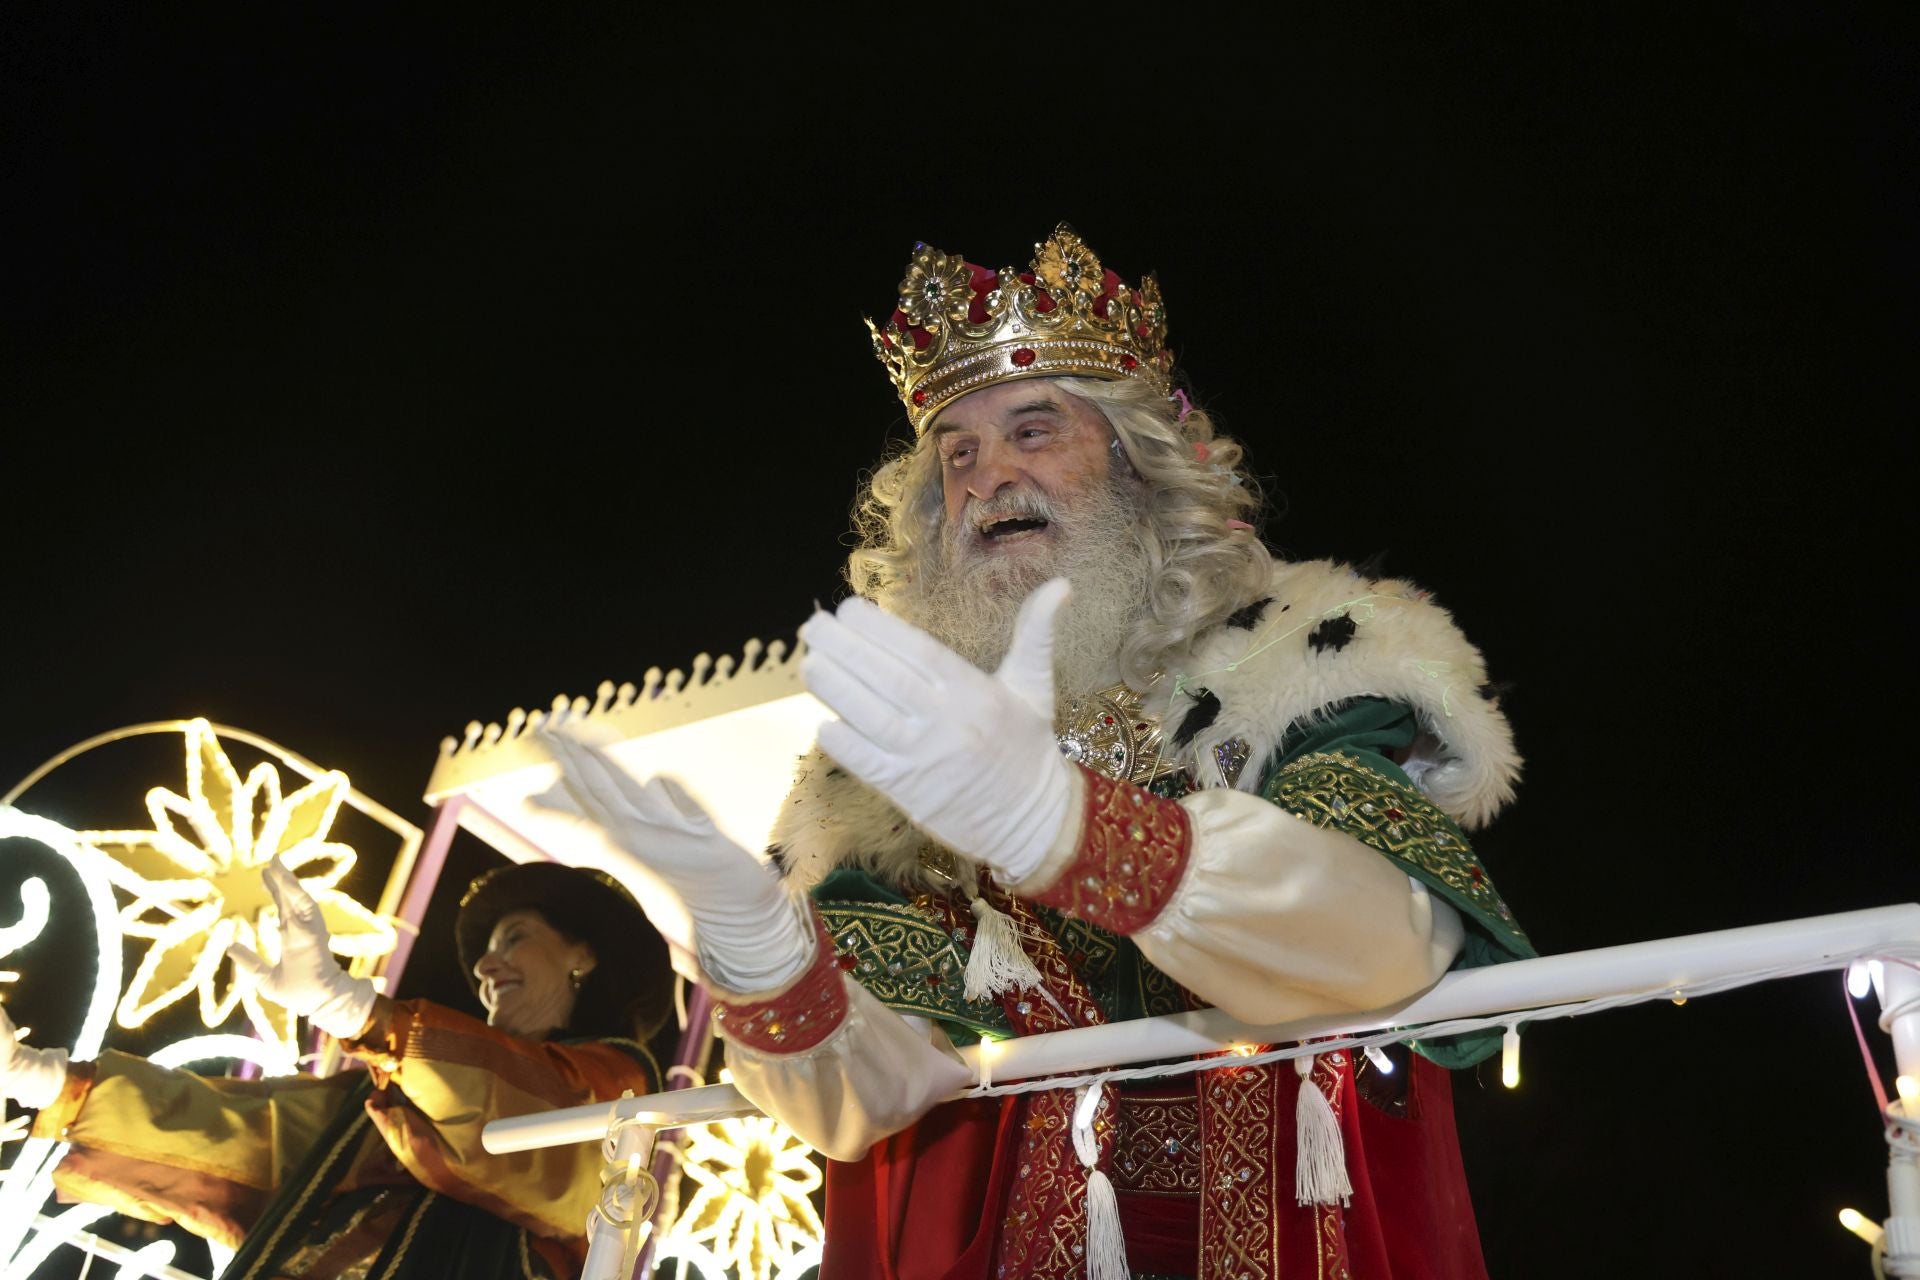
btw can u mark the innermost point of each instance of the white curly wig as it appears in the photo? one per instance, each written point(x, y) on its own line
point(1194, 504)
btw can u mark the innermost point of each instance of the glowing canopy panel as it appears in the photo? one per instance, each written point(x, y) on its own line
point(732, 733)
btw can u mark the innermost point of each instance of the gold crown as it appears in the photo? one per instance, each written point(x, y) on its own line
point(960, 327)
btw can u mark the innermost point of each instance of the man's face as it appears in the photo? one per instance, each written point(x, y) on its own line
point(1031, 490)
point(1004, 446)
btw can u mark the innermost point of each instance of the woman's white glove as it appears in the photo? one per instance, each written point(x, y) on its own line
point(32, 1077)
point(970, 757)
point(307, 981)
point(752, 935)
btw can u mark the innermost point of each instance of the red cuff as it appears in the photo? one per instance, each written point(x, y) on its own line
point(798, 1018)
point(1132, 855)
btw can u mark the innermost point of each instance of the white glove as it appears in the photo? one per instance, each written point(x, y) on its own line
point(307, 981)
point(970, 757)
point(752, 934)
point(31, 1077)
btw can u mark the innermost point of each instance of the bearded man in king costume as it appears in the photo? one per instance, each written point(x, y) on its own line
point(1098, 756)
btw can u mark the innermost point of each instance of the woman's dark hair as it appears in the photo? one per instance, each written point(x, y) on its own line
point(610, 1003)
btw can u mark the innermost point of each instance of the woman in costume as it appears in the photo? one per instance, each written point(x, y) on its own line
point(380, 1172)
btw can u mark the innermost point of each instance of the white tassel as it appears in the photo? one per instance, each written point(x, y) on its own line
point(1320, 1158)
point(998, 964)
point(1106, 1242)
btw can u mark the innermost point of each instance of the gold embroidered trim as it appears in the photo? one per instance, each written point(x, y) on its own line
point(356, 1128)
point(1333, 790)
point(1239, 1207)
point(909, 962)
point(1133, 852)
point(797, 1019)
point(406, 1241)
point(1158, 1151)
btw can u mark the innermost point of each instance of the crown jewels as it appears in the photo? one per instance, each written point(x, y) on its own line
point(960, 327)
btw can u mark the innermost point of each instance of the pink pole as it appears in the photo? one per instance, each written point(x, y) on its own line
point(691, 1053)
point(420, 887)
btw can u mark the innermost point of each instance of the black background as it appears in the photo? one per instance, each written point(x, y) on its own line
point(370, 376)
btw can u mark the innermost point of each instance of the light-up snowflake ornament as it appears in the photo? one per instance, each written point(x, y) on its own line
point(196, 885)
point(751, 1208)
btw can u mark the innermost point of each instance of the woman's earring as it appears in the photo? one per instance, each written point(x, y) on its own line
point(576, 977)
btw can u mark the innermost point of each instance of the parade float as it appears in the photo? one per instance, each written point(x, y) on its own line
point(698, 1184)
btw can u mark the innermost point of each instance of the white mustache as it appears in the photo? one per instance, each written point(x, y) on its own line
point(1014, 504)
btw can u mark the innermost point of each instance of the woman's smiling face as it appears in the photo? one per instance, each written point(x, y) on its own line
point(527, 975)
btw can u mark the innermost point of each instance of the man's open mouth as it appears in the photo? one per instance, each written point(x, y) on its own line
point(996, 530)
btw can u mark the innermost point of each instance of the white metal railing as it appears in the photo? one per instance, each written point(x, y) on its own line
point(1503, 995)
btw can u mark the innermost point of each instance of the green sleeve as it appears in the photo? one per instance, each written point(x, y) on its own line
point(1338, 773)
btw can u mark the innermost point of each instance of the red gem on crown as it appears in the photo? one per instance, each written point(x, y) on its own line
point(1023, 356)
point(1128, 362)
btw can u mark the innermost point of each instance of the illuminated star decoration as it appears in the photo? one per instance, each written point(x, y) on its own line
point(196, 884)
point(754, 1178)
point(33, 919)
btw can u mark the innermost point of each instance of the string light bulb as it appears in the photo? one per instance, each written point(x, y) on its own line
point(987, 1045)
point(1861, 1225)
point(1510, 1058)
point(1381, 1062)
point(1909, 1090)
point(1859, 980)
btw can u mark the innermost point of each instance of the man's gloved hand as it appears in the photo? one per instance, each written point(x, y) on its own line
point(32, 1077)
point(752, 935)
point(307, 981)
point(968, 756)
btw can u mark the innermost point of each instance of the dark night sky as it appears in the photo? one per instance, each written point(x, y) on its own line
point(367, 378)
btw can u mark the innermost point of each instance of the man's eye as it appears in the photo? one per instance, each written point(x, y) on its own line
point(960, 456)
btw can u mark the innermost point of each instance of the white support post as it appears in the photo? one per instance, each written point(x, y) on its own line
point(1899, 991)
point(610, 1229)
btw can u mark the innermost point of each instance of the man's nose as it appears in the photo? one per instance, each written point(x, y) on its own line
point(486, 966)
point(995, 469)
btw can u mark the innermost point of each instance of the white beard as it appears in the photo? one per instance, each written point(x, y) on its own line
point(967, 597)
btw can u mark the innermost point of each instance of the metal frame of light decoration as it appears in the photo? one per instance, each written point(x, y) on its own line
point(404, 857)
point(26, 1235)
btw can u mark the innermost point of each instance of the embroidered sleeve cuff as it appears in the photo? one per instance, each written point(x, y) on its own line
point(1129, 855)
point(798, 1017)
